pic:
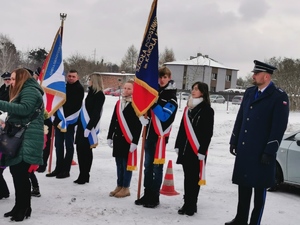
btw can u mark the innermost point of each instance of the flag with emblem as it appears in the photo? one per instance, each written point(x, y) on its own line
point(53, 78)
point(146, 81)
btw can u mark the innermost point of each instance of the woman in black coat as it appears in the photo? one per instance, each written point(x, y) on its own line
point(88, 127)
point(123, 136)
point(193, 139)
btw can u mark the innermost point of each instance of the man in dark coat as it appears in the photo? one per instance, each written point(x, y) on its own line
point(64, 130)
point(4, 89)
point(257, 133)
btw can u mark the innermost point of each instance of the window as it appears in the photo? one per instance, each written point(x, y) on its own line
point(228, 77)
point(214, 76)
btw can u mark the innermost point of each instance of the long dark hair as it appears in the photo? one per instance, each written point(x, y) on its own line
point(203, 87)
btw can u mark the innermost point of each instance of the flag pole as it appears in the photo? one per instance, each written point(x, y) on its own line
point(141, 162)
point(63, 17)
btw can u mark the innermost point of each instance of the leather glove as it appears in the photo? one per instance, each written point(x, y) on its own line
point(110, 143)
point(144, 121)
point(176, 150)
point(132, 147)
point(266, 159)
point(86, 132)
point(232, 149)
point(33, 168)
point(201, 156)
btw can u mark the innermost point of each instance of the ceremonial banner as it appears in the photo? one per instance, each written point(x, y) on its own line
point(146, 81)
point(53, 78)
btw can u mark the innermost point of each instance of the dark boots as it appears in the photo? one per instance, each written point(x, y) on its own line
point(149, 200)
point(35, 192)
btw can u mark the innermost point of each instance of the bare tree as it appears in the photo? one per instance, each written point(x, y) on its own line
point(166, 56)
point(9, 56)
point(129, 61)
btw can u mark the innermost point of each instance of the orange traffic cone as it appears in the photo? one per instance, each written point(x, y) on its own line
point(168, 185)
point(73, 163)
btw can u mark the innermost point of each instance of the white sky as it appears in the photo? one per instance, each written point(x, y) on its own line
point(63, 202)
point(233, 32)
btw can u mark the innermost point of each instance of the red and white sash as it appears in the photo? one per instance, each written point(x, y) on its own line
point(192, 138)
point(132, 156)
point(160, 152)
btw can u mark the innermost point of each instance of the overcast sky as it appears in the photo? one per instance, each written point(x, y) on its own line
point(233, 32)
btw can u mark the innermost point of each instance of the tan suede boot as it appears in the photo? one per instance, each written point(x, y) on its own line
point(123, 193)
point(117, 189)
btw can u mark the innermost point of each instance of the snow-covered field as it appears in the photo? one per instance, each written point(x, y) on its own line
point(63, 202)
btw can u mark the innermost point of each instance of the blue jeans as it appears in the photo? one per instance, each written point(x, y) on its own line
point(63, 162)
point(153, 173)
point(124, 176)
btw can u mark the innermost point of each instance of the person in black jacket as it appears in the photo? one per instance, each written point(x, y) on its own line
point(64, 129)
point(88, 127)
point(256, 136)
point(4, 95)
point(162, 115)
point(193, 138)
point(123, 135)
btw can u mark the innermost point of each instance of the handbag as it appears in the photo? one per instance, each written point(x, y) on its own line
point(11, 137)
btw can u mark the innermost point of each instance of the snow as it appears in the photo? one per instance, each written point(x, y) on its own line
point(63, 202)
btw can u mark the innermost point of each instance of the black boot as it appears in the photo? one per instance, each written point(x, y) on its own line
point(153, 201)
point(236, 222)
point(181, 211)
point(143, 200)
point(11, 212)
point(21, 214)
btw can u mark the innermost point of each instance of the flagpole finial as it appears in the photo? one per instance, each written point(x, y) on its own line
point(63, 16)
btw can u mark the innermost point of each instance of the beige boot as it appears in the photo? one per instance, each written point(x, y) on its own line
point(117, 189)
point(123, 193)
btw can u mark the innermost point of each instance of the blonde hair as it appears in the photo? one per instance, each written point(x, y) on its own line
point(97, 82)
point(22, 75)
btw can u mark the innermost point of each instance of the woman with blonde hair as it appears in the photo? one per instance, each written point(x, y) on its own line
point(25, 101)
point(88, 127)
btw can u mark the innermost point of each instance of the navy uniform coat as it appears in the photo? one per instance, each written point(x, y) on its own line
point(258, 129)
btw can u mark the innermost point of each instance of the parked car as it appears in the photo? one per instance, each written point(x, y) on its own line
point(183, 95)
point(237, 99)
point(116, 92)
point(287, 160)
point(217, 99)
point(108, 91)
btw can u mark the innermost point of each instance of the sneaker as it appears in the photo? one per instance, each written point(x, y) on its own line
point(35, 192)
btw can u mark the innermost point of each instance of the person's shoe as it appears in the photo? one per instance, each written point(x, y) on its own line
point(181, 211)
point(235, 222)
point(124, 192)
point(21, 214)
point(63, 175)
point(117, 189)
point(153, 202)
point(52, 174)
point(142, 201)
point(35, 192)
point(6, 195)
point(11, 212)
point(41, 169)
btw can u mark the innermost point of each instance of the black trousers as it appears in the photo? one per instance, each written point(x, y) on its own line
point(3, 186)
point(245, 194)
point(46, 150)
point(22, 184)
point(85, 158)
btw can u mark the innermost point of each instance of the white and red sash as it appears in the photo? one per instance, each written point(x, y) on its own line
point(192, 138)
point(132, 156)
point(160, 151)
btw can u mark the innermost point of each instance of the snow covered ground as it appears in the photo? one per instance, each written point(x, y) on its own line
point(63, 202)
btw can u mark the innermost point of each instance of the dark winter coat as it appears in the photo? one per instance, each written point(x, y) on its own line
point(20, 111)
point(74, 97)
point(258, 129)
point(202, 120)
point(120, 145)
point(94, 104)
point(4, 92)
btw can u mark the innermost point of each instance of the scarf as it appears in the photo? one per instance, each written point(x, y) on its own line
point(193, 102)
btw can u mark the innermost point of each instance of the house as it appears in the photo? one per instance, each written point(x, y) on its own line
point(204, 69)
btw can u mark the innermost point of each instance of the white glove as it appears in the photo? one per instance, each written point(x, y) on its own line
point(176, 150)
point(201, 156)
point(144, 121)
point(110, 143)
point(86, 132)
point(132, 147)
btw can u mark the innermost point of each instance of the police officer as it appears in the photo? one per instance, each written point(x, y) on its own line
point(257, 133)
point(4, 89)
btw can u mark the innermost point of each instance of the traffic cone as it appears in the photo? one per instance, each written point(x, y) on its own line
point(168, 185)
point(73, 163)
